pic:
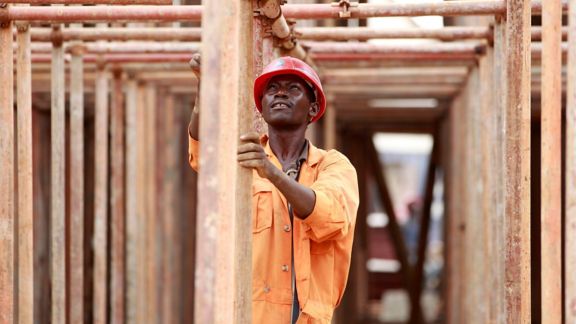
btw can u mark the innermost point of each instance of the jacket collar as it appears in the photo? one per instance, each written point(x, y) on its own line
point(314, 153)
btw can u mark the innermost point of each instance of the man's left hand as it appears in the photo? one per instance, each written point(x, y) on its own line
point(251, 155)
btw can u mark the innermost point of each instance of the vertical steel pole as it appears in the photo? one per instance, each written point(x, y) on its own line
point(551, 163)
point(224, 274)
point(517, 162)
point(132, 219)
point(58, 179)
point(570, 208)
point(25, 199)
point(77, 186)
point(117, 192)
point(101, 197)
point(330, 131)
point(7, 175)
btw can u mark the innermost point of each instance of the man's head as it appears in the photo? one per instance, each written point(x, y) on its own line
point(285, 79)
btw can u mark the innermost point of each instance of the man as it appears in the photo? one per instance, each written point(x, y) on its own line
point(304, 200)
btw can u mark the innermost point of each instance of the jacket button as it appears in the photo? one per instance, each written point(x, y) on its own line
point(285, 268)
point(266, 289)
point(286, 228)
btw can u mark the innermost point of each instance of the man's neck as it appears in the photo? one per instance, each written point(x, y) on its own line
point(286, 144)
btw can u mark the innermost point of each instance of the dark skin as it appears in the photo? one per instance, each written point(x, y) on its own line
point(287, 107)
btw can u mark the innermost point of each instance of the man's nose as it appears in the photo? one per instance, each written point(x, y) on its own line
point(281, 92)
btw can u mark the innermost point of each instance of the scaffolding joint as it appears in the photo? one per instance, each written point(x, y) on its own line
point(345, 6)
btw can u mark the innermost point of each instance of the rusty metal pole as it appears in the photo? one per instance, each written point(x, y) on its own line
point(77, 186)
point(92, 2)
point(224, 253)
point(117, 203)
point(25, 198)
point(58, 180)
point(517, 162)
point(7, 175)
point(132, 219)
point(101, 198)
point(551, 164)
point(570, 158)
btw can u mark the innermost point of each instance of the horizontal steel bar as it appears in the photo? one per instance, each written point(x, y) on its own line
point(193, 34)
point(138, 47)
point(121, 58)
point(103, 13)
point(121, 34)
point(92, 2)
point(294, 11)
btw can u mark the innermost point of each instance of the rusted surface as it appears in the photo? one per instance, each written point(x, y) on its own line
point(152, 251)
point(127, 48)
point(93, 2)
point(123, 58)
point(77, 188)
point(7, 178)
point(366, 33)
point(57, 180)
point(551, 164)
point(517, 162)
point(330, 129)
point(141, 254)
point(451, 8)
point(101, 199)
point(25, 198)
point(191, 34)
point(105, 13)
point(489, 189)
point(570, 199)
point(496, 124)
point(424, 8)
point(469, 49)
point(117, 202)
point(132, 201)
point(224, 250)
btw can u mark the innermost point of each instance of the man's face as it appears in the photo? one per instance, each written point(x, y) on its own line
point(287, 102)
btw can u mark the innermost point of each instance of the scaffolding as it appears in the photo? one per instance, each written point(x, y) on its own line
point(488, 79)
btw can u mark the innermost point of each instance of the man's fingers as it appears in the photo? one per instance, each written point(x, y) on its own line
point(252, 164)
point(250, 147)
point(251, 156)
point(250, 137)
point(195, 64)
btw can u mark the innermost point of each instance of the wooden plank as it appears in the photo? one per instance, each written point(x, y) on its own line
point(117, 202)
point(224, 274)
point(57, 180)
point(516, 116)
point(551, 163)
point(570, 185)
point(77, 187)
point(101, 199)
point(7, 203)
point(25, 193)
point(416, 315)
point(132, 200)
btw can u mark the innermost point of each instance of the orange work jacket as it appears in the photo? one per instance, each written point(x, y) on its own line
point(322, 241)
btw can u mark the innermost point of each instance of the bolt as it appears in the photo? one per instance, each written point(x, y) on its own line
point(3, 5)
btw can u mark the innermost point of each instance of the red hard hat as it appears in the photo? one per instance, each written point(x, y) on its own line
point(293, 66)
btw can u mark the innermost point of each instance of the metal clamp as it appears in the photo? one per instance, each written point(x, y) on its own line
point(345, 6)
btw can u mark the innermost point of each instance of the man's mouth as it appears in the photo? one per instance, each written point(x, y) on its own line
point(279, 105)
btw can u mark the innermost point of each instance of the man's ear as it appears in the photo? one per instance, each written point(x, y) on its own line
point(314, 110)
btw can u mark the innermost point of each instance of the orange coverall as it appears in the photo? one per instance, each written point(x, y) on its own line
point(322, 241)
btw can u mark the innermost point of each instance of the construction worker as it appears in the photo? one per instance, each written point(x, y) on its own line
point(305, 200)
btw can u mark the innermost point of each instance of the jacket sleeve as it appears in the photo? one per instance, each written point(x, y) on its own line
point(193, 150)
point(336, 190)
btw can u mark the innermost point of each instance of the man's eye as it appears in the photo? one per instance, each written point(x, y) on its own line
point(272, 87)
